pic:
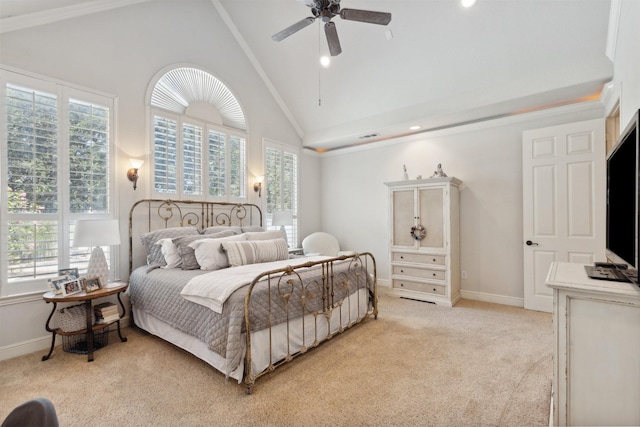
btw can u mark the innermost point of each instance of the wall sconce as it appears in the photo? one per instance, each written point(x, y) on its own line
point(132, 173)
point(257, 186)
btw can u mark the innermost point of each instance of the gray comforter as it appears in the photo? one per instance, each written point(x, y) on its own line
point(157, 292)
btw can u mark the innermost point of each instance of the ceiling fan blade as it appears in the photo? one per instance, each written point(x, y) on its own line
point(332, 39)
point(292, 29)
point(369, 16)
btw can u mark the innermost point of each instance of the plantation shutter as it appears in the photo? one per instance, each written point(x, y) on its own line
point(217, 163)
point(281, 176)
point(165, 151)
point(192, 159)
point(238, 175)
point(88, 157)
point(32, 148)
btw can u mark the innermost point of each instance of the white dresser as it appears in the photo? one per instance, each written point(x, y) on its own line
point(596, 363)
point(424, 239)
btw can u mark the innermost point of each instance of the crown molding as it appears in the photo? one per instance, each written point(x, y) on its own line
point(31, 20)
point(477, 125)
point(610, 98)
point(614, 24)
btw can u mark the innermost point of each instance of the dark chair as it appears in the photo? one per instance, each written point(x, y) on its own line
point(34, 413)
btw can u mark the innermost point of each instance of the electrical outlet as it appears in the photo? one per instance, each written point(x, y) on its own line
point(463, 274)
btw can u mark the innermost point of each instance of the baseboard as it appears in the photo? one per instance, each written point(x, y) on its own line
point(385, 285)
point(41, 344)
point(20, 349)
point(498, 299)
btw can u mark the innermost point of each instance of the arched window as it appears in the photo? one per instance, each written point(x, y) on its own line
point(199, 137)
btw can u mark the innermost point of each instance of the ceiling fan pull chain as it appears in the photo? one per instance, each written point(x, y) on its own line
point(319, 70)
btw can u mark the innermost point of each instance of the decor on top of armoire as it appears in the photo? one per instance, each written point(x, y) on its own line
point(424, 239)
point(439, 173)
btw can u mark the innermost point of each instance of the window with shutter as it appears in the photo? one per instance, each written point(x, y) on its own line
point(56, 157)
point(198, 149)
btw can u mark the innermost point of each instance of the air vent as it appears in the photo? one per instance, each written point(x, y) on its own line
point(371, 135)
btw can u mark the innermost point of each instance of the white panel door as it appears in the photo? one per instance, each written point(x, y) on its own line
point(564, 182)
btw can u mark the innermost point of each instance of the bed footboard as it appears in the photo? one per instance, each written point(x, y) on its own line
point(303, 310)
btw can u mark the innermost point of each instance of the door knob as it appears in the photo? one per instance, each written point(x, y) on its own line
point(530, 243)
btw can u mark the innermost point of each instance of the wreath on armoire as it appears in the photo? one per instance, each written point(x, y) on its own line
point(418, 232)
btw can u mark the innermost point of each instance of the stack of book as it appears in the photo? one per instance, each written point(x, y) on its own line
point(106, 312)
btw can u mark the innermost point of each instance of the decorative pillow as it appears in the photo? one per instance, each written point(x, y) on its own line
point(170, 253)
point(256, 251)
point(252, 228)
point(188, 256)
point(219, 228)
point(265, 235)
point(154, 252)
point(209, 253)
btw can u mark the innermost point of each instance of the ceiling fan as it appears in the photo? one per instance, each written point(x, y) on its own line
point(327, 9)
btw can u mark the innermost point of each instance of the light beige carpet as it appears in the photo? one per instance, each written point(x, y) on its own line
point(419, 364)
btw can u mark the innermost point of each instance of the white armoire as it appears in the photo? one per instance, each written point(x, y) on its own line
point(424, 239)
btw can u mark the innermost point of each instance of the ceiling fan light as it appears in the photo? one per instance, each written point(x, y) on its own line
point(325, 61)
point(467, 3)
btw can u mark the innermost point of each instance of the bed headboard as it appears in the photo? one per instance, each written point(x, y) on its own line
point(153, 214)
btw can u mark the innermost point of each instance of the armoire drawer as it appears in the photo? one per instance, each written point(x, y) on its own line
point(423, 273)
point(419, 287)
point(418, 258)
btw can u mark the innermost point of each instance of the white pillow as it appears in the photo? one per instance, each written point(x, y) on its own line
point(265, 235)
point(209, 252)
point(170, 253)
point(256, 251)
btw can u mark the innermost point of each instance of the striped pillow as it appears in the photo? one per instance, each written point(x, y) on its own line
point(255, 251)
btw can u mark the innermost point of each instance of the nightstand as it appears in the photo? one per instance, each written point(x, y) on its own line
point(115, 288)
point(296, 251)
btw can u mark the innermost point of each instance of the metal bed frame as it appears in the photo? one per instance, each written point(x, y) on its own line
point(282, 283)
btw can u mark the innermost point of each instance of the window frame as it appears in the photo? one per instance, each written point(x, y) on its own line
point(64, 219)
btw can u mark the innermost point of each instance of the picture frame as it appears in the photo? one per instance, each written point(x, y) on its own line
point(56, 284)
point(70, 287)
point(72, 273)
point(91, 284)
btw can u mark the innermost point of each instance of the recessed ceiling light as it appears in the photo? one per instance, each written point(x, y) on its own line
point(325, 61)
point(416, 127)
point(467, 3)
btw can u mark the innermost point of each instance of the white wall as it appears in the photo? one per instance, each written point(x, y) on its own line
point(486, 157)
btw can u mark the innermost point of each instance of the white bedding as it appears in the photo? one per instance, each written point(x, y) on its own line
point(213, 289)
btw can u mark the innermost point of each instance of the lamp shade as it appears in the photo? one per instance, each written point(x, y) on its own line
point(96, 232)
point(136, 163)
point(282, 218)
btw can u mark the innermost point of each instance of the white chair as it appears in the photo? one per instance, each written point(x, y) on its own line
point(321, 243)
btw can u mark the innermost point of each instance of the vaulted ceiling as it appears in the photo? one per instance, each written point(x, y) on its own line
point(436, 64)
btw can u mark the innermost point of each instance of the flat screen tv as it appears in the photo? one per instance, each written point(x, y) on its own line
point(623, 201)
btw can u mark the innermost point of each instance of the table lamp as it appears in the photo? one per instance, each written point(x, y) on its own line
point(282, 218)
point(96, 233)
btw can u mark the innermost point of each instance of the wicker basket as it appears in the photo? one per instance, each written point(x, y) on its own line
point(77, 343)
point(74, 318)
